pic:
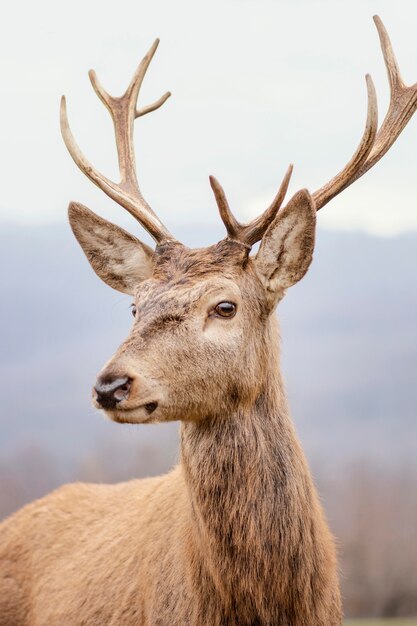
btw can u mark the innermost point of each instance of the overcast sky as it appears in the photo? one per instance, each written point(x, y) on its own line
point(256, 84)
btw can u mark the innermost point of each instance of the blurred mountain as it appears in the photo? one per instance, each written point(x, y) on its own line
point(349, 350)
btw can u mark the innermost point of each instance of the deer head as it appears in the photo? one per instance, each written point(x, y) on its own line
point(202, 325)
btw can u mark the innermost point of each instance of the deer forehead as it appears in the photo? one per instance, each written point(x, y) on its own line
point(174, 261)
point(185, 279)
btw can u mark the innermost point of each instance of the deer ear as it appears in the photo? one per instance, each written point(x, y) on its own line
point(287, 247)
point(115, 255)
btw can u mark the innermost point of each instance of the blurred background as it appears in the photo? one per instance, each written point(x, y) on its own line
point(256, 84)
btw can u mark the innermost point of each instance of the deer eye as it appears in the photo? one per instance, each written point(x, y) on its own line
point(133, 308)
point(225, 309)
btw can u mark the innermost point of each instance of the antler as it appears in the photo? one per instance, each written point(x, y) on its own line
point(252, 232)
point(373, 145)
point(123, 111)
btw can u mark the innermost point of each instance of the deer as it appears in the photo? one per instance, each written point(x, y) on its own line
point(235, 534)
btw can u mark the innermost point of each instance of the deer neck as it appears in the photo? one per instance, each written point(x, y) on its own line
point(256, 520)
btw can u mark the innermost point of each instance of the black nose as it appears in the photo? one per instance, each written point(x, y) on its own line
point(110, 390)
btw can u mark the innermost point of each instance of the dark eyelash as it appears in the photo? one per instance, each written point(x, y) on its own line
point(172, 318)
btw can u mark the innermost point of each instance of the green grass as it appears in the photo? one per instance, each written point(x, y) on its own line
point(381, 622)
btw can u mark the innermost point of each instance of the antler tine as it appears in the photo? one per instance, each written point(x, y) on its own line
point(403, 104)
point(351, 170)
point(155, 105)
point(123, 111)
point(232, 225)
point(255, 230)
point(249, 234)
point(391, 63)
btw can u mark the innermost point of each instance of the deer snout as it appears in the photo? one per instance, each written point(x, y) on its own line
point(109, 390)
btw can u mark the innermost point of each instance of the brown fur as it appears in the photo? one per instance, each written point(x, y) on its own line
point(235, 534)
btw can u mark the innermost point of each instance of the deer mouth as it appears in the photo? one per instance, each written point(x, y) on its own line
point(140, 414)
